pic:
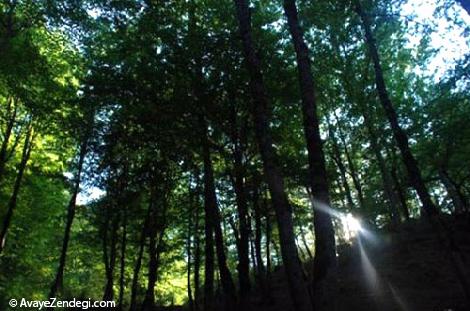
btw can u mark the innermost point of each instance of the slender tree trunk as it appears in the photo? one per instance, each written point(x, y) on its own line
point(252, 253)
point(400, 192)
point(198, 89)
point(123, 261)
point(113, 216)
point(27, 147)
point(6, 137)
point(342, 192)
point(149, 300)
point(293, 268)
point(58, 280)
point(453, 192)
point(352, 168)
point(209, 258)
point(401, 138)
point(268, 248)
point(155, 246)
point(197, 255)
point(109, 291)
point(367, 113)
point(384, 172)
point(411, 165)
point(105, 240)
point(258, 235)
point(242, 207)
point(304, 242)
point(188, 247)
point(213, 216)
point(277, 253)
point(342, 169)
point(325, 266)
point(159, 254)
point(140, 253)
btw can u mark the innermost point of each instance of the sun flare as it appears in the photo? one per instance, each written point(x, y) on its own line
point(351, 225)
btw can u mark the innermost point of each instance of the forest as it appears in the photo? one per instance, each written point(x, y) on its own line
point(207, 155)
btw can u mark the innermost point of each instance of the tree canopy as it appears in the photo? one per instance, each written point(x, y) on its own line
point(182, 153)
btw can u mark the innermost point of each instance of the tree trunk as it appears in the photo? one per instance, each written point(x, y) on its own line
point(293, 268)
point(277, 253)
point(138, 263)
point(105, 241)
point(384, 172)
point(352, 168)
point(57, 284)
point(453, 192)
point(209, 258)
point(242, 207)
point(188, 248)
point(252, 253)
point(154, 254)
point(27, 147)
point(109, 291)
point(414, 174)
point(325, 266)
point(304, 242)
point(6, 137)
point(197, 253)
point(155, 246)
point(198, 90)
point(258, 235)
point(400, 192)
point(123, 261)
point(401, 138)
point(342, 169)
point(268, 248)
point(213, 216)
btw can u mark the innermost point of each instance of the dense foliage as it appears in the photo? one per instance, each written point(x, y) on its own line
point(132, 127)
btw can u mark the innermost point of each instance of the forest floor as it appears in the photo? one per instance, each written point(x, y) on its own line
point(408, 269)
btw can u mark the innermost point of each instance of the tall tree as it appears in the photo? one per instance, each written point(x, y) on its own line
point(27, 147)
point(58, 280)
point(242, 204)
point(213, 216)
point(414, 173)
point(325, 266)
point(297, 286)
